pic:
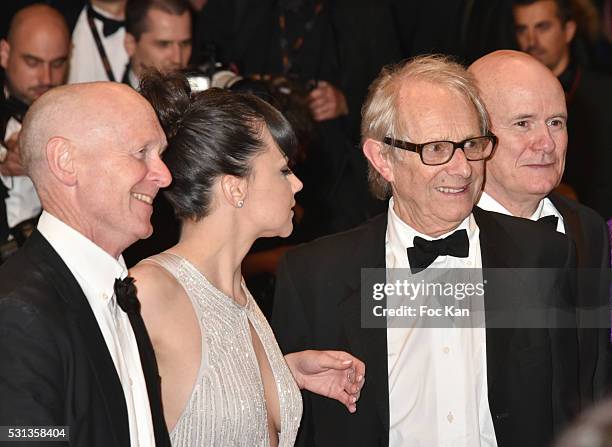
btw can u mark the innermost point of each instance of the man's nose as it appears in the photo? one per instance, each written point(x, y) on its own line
point(543, 140)
point(532, 38)
point(45, 74)
point(175, 54)
point(159, 173)
point(459, 164)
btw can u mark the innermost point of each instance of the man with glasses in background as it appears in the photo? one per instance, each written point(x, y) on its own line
point(425, 134)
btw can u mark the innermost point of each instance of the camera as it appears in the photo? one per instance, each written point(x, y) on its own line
point(211, 73)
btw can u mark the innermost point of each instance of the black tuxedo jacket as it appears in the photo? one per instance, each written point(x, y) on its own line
point(590, 235)
point(589, 149)
point(55, 368)
point(531, 373)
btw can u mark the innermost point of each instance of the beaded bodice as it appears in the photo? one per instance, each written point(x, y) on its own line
point(227, 405)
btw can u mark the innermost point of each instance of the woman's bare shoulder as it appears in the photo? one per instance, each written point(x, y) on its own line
point(155, 285)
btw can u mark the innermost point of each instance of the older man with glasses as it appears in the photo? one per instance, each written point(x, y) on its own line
point(425, 134)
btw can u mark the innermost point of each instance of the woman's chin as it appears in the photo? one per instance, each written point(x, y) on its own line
point(286, 232)
point(283, 232)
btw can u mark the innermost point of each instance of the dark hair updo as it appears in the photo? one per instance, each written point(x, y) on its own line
point(210, 134)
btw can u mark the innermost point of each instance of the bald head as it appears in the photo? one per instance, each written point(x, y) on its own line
point(35, 54)
point(508, 69)
point(526, 104)
point(38, 15)
point(93, 152)
point(83, 114)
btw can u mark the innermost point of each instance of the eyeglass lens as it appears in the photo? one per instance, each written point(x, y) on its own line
point(441, 151)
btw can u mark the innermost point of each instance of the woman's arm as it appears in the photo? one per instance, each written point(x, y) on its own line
point(334, 374)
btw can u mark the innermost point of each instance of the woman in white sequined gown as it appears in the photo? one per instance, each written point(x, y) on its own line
point(224, 380)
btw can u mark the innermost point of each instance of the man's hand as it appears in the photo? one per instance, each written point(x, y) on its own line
point(326, 102)
point(12, 165)
point(334, 374)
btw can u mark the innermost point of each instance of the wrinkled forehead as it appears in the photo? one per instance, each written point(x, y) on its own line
point(112, 114)
point(526, 95)
point(134, 125)
point(429, 110)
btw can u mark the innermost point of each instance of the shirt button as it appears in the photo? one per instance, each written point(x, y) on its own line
point(104, 296)
point(446, 350)
point(130, 381)
point(450, 417)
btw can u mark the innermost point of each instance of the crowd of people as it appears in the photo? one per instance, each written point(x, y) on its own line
point(195, 194)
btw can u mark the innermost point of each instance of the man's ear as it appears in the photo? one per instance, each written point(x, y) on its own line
point(569, 30)
point(129, 42)
point(60, 159)
point(374, 152)
point(5, 51)
point(234, 189)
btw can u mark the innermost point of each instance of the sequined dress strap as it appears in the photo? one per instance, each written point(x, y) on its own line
point(169, 261)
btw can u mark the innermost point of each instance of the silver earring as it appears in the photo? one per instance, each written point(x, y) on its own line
point(240, 204)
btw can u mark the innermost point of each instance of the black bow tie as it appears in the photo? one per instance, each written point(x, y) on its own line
point(550, 221)
point(109, 26)
point(425, 252)
point(125, 291)
point(15, 108)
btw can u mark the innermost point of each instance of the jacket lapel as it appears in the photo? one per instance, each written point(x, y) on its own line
point(573, 227)
point(102, 366)
point(493, 243)
point(370, 345)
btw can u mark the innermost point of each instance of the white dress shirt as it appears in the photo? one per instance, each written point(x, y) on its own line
point(545, 208)
point(86, 64)
point(438, 393)
point(95, 271)
point(22, 202)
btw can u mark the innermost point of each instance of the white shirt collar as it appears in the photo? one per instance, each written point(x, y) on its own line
point(133, 79)
point(544, 208)
point(91, 265)
point(488, 203)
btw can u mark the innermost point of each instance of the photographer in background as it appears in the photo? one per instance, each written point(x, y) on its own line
point(34, 57)
point(333, 48)
point(158, 35)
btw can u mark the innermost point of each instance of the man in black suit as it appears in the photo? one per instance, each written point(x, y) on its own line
point(74, 349)
point(546, 29)
point(507, 385)
point(528, 114)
